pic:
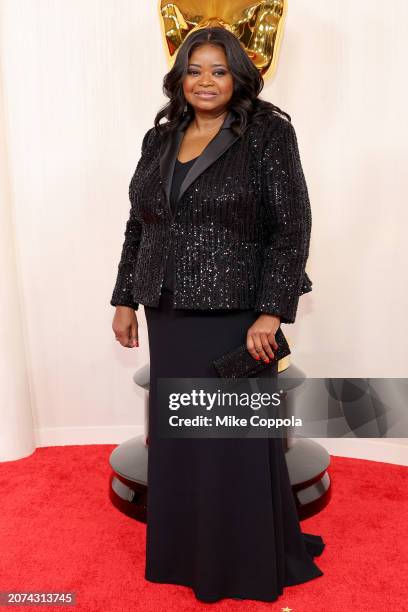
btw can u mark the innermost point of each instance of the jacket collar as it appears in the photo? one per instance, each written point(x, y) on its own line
point(170, 146)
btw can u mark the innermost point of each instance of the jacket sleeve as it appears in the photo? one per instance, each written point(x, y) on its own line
point(285, 197)
point(122, 293)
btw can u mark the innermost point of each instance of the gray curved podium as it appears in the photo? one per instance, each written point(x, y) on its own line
point(307, 461)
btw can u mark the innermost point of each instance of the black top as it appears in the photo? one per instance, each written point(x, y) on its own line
point(180, 171)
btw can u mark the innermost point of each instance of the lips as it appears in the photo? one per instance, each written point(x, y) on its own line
point(205, 94)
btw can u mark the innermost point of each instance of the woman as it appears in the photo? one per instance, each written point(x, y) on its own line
point(215, 248)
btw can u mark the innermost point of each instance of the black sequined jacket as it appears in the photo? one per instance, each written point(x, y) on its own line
point(241, 231)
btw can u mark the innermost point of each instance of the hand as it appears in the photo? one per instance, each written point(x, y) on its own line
point(261, 337)
point(125, 326)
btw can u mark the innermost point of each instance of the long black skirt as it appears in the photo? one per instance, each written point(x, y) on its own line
point(221, 515)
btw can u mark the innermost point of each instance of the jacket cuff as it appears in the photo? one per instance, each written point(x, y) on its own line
point(130, 305)
point(122, 293)
point(283, 303)
point(285, 299)
point(306, 285)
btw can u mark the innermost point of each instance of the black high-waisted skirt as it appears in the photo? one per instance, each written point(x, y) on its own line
point(221, 515)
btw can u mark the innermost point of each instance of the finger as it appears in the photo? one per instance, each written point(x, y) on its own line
point(123, 336)
point(251, 347)
point(129, 339)
point(122, 339)
point(259, 348)
point(134, 335)
point(266, 345)
point(272, 341)
point(120, 333)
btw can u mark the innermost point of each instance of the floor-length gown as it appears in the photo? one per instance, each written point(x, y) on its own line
point(221, 515)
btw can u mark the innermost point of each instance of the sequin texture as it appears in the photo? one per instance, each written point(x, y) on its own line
point(241, 232)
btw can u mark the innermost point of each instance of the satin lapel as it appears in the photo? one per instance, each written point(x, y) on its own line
point(169, 148)
point(215, 148)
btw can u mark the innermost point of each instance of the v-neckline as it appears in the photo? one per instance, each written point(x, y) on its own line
point(188, 161)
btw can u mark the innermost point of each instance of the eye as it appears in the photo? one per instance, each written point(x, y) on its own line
point(192, 71)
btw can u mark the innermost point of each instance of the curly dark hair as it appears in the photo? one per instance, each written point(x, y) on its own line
point(248, 83)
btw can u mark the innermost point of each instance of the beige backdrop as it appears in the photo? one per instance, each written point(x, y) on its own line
point(81, 83)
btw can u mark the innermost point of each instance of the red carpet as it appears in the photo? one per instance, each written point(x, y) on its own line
point(59, 532)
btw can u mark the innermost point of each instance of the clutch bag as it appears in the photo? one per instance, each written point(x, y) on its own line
point(239, 362)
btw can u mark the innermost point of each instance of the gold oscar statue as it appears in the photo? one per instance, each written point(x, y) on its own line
point(257, 25)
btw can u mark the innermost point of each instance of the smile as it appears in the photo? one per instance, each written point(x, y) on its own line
point(205, 94)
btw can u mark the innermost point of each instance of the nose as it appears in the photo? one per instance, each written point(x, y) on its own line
point(205, 79)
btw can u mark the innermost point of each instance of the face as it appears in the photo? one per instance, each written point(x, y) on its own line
point(208, 84)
